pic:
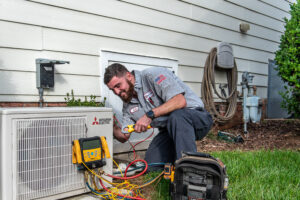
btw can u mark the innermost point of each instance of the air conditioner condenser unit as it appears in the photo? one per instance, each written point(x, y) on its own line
point(36, 150)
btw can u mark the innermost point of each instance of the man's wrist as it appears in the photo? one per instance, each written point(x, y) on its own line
point(150, 114)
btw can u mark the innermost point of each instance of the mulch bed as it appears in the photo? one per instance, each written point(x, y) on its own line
point(269, 134)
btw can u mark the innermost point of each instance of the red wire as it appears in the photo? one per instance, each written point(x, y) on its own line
point(115, 118)
point(145, 139)
point(125, 173)
point(146, 165)
point(134, 154)
point(121, 195)
point(131, 177)
point(133, 146)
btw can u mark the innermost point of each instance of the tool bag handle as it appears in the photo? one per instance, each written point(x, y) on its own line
point(198, 154)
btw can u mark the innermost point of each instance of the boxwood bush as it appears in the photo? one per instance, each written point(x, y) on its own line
point(288, 61)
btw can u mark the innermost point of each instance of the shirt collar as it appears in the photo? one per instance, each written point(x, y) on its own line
point(138, 80)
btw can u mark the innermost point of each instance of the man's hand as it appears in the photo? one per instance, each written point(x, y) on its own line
point(142, 124)
point(121, 137)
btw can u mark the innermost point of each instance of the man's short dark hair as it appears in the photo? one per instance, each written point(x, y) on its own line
point(112, 70)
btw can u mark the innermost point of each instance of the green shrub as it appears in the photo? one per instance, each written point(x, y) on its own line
point(288, 61)
point(71, 101)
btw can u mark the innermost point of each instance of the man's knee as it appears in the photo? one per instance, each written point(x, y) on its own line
point(176, 115)
point(179, 121)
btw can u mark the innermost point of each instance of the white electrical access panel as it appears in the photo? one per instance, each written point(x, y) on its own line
point(36, 150)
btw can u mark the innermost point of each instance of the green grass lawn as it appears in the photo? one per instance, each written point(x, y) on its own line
point(259, 175)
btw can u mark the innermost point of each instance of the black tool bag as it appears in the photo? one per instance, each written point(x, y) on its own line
point(199, 176)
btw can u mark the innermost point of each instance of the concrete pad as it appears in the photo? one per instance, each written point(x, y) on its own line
point(88, 196)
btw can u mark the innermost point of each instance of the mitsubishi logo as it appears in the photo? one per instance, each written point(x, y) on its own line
point(95, 122)
point(101, 121)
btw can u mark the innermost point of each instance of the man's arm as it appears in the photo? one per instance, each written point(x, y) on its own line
point(166, 86)
point(175, 103)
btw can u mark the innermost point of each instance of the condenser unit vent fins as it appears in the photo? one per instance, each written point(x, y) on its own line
point(44, 161)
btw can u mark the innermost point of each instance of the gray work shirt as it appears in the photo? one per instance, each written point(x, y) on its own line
point(155, 86)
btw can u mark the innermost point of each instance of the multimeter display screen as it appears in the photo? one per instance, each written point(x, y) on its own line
point(92, 144)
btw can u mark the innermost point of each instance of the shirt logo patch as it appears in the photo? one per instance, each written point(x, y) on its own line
point(134, 109)
point(160, 79)
point(148, 96)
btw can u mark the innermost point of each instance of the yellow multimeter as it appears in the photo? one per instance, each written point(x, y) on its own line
point(169, 172)
point(91, 151)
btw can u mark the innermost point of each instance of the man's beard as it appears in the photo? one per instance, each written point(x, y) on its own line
point(129, 93)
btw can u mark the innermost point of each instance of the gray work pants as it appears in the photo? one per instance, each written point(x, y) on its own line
point(184, 126)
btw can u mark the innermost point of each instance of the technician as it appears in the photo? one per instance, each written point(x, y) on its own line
point(156, 97)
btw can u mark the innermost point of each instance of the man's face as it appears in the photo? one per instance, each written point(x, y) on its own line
point(122, 87)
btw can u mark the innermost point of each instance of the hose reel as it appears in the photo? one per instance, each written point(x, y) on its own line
point(220, 58)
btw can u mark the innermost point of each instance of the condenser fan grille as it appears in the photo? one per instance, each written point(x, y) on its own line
point(44, 156)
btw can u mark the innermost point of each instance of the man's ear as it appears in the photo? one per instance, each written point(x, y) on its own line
point(129, 76)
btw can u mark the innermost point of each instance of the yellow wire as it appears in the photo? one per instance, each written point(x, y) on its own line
point(125, 185)
point(99, 195)
point(145, 185)
point(94, 182)
point(97, 174)
point(118, 167)
point(112, 189)
point(86, 177)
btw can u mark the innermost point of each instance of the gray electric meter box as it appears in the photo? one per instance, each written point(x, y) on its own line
point(225, 58)
point(45, 72)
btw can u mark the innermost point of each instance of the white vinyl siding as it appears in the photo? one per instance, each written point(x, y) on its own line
point(183, 30)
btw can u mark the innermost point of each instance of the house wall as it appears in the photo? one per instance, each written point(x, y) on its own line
point(184, 30)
